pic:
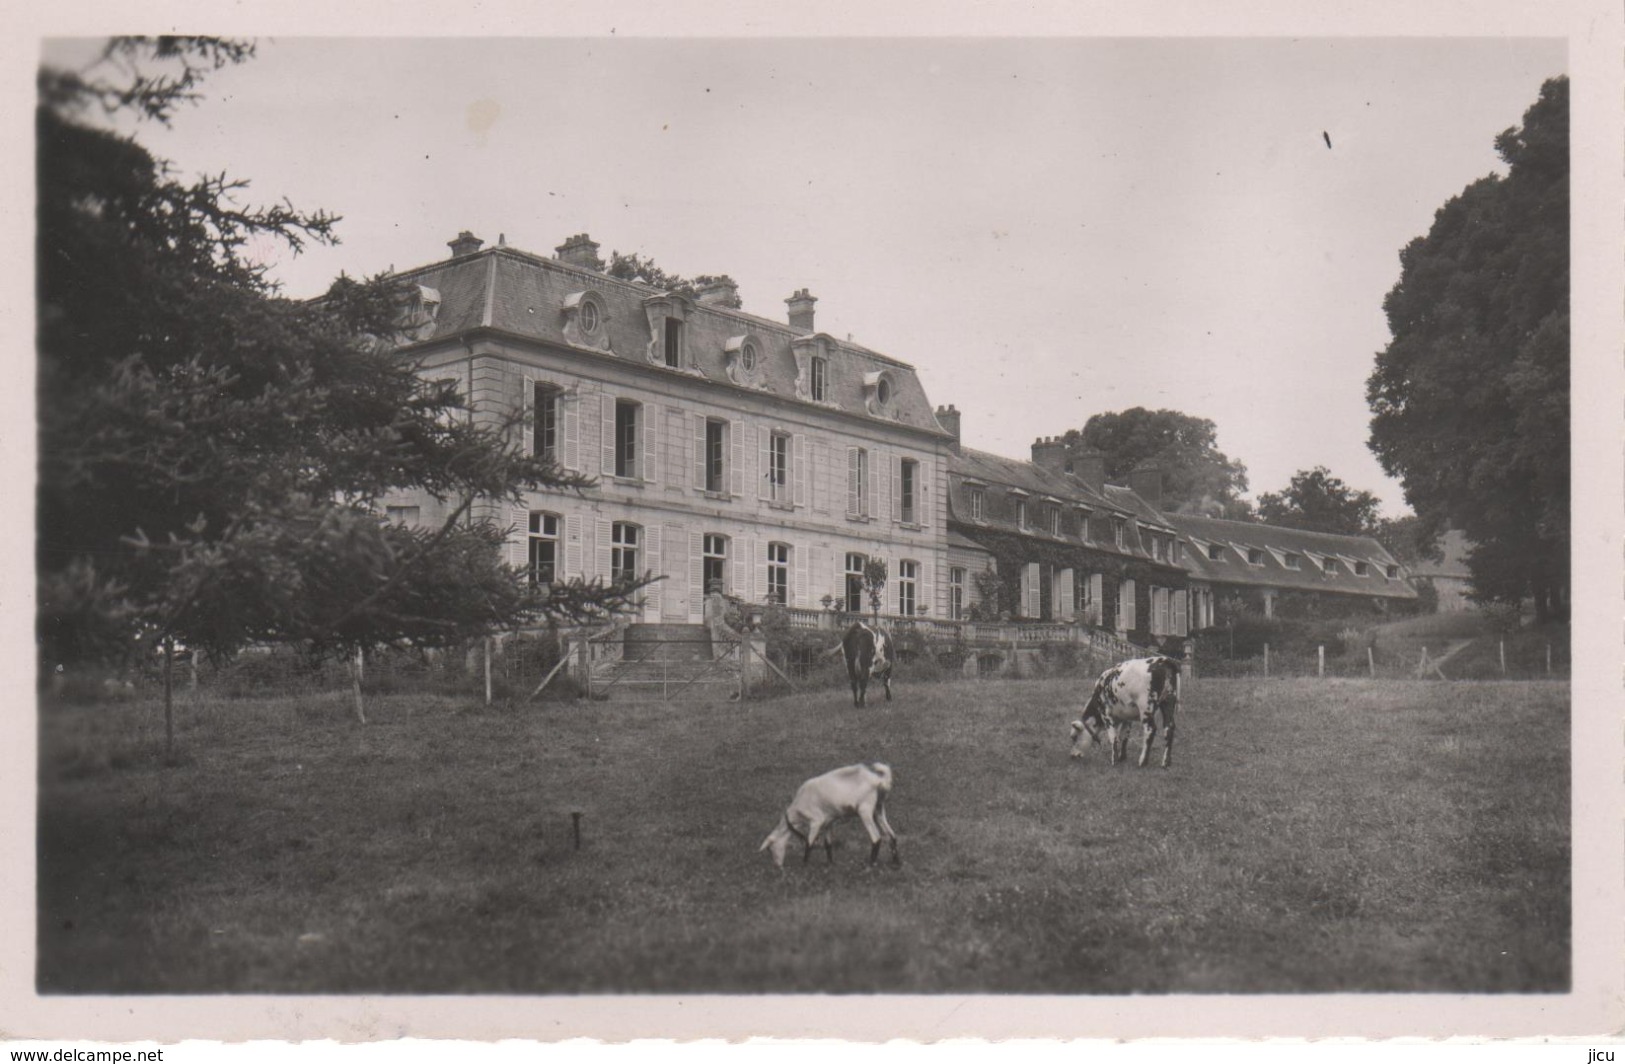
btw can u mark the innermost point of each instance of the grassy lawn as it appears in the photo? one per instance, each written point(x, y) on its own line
point(1339, 835)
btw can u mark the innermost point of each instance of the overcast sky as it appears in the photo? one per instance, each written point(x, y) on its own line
point(1045, 229)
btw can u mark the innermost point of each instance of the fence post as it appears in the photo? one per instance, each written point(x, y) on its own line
point(1320, 661)
point(1266, 661)
point(487, 670)
point(1502, 647)
point(1548, 659)
point(1371, 661)
point(193, 660)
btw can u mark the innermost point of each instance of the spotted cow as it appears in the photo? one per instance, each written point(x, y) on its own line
point(868, 657)
point(1136, 690)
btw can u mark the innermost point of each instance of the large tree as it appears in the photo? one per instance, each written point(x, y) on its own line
point(213, 457)
point(1316, 501)
point(1470, 400)
point(1196, 476)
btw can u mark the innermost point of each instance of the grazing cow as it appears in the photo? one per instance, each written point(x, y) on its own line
point(868, 657)
point(1126, 692)
point(856, 790)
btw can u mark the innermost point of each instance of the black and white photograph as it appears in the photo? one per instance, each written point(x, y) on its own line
point(1049, 520)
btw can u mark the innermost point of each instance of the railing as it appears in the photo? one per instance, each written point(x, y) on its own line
point(976, 633)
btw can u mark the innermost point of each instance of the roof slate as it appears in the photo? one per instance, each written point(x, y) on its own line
point(526, 293)
point(1312, 546)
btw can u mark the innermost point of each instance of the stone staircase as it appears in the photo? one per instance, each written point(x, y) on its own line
point(666, 663)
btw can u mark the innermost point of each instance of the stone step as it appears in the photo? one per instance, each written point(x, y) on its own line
point(667, 642)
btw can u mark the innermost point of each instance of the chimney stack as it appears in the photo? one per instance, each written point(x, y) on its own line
point(948, 418)
point(1089, 466)
point(721, 291)
point(1146, 482)
point(801, 311)
point(465, 244)
point(580, 251)
point(1050, 452)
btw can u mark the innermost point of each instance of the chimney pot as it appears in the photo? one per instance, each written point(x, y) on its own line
point(948, 418)
point(722, 291)
point(465, 244)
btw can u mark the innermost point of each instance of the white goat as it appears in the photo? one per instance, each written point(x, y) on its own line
point(856, 790)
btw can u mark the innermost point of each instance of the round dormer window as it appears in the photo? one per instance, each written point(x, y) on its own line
point(747, 356)
point(589, 316)
point(883, 391)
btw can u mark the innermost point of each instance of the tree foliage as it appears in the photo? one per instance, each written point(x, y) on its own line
point(1196, 476)
point(1470, 400)
point(630, 266)
point(1316, 501)
point(213, 457)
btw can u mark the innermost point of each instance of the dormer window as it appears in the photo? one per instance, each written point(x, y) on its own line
point(978, 503)
point(1021, 514)
point(1329, 566)
point(1215, 552)
point(1119, 529)
point(589, 317)
point(1362, 569)
point(674, 342)
point(1055, 520)
point(1255, 556)
point(879, 391)
point(820, 379)
point(1393, 572)
point(883, 391)
point(1293, 561)
point(747, 356)
point(584, 320)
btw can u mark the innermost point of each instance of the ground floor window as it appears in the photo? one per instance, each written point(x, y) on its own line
point(716, 563)
point(623, 553)
point(908, 579)
point(778, 573)
point(956, 594)
point(543, 549)
point(854, 582)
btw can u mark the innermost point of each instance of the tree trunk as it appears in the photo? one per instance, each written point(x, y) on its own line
point(355, 686)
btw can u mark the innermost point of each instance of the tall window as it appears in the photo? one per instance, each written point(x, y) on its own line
point(1083, 524)
point(1118, 525)
point(778, 573)
point(542, 566)
point(909, 476)
point(854, 583)
point(626, 438)
point(623, 551)
point(545, 424)
point(1083, 595)
point(674, 342)
point(778, 467)
point(956, 594)
point(1054, 516)
point(1021, 514)
point(908, 579)
point(857, 482)
point(978, 504)
point(820, 379)
point(716, 455)
point(716, 562)
point(1159, 548)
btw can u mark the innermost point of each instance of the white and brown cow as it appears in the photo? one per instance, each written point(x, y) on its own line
point(868, 657)
point(1136, 690)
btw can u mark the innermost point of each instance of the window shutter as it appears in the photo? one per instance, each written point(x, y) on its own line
point(876, 474)
point(601, 559)
point(519, 537)
point(798, 469)
point(735, 433)
point(534, 415)
point(676, 446)
point(1065, 607)
point(700, 456)
point(570, 416)
point(606, 433)
point(764, 453)
point(758, 567)
point(923, 495)
point(798, 569)
point(650, 435)
point(1181, 613)
point(895, 461)
point(572, 546)
point(1029, 590)
point(652, 563)
point(696, 573)
point(854, 505)
point(926, 599)
point(744, 567)
point(1130, 607)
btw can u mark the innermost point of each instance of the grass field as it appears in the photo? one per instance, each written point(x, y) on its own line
point(1311, 836)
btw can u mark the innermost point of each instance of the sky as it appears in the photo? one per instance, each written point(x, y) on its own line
point(1045, 228)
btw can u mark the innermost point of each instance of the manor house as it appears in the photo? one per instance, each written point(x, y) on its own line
point(775, 460)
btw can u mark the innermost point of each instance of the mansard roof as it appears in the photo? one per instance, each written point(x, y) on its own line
point(523, 294)
point(1235, 538)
